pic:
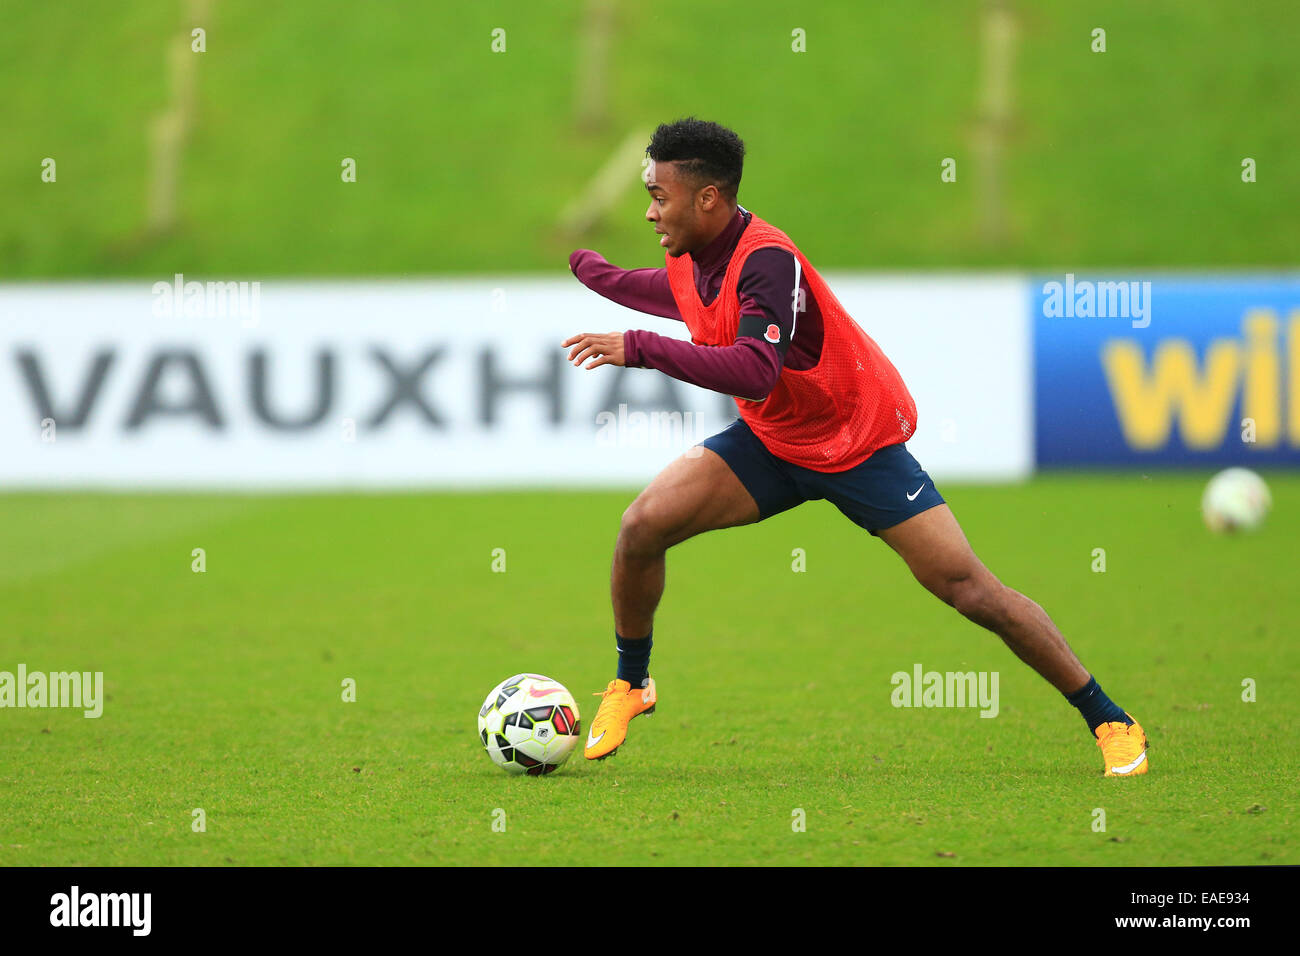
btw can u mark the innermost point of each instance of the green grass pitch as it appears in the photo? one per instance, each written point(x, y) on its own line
point(1130, 158)
point(224, 687)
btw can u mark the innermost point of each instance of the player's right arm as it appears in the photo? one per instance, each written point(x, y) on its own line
point(645, 290)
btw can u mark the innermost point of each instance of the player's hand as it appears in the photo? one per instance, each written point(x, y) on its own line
point(578, 256)
point(601, 349)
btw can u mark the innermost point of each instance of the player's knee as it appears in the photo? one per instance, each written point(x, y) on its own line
point(976, 596)
point(643, 528)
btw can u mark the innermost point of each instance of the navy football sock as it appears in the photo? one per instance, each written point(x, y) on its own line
point(1095, 706)
point(634, 658)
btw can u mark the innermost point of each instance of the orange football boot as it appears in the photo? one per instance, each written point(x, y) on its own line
point(619, 703)
point(1123, 748)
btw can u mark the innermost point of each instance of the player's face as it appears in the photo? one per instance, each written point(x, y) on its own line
point(673, 208)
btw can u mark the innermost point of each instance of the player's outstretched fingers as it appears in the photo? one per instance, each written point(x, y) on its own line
point(606, 349)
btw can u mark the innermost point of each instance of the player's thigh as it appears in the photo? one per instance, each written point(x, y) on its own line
point(887, 489)
point(696, 492)
point(937, 552)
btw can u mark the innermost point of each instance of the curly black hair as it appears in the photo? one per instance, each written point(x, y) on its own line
point(706, 153)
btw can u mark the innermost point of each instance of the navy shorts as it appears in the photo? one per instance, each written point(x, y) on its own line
point(887, 488)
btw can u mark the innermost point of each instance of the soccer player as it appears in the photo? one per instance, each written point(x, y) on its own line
point(823, 415)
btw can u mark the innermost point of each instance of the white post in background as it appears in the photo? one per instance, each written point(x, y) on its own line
point(591, 94)
point(997, 53)
point(170, 128)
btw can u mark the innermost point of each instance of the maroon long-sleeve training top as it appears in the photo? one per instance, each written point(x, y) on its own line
point(750, 367)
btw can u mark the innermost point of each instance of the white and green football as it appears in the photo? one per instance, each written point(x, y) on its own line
point(529, 724)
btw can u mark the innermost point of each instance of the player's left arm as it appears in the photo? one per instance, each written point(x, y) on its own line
point(772, 293)
point(748, 368)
